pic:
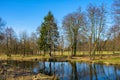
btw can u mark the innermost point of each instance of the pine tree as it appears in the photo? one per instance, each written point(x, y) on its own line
point(48, 39)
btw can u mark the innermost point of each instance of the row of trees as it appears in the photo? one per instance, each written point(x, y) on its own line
point(87, 28)
point(11, 44)
point(90, 25)
point(83, 31)
point(91, 29)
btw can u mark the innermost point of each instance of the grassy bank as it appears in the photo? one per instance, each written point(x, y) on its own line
point(105, 60)
point(109, 61)
point(21, 57)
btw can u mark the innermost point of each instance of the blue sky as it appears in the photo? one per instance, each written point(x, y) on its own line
point(27, 15)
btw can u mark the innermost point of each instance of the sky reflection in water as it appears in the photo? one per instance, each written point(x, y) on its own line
point(78, 71)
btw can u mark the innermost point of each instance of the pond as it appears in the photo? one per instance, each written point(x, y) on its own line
point(65, 70)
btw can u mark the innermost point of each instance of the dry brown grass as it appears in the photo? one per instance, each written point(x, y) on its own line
point(33, 77)
point(105, 59)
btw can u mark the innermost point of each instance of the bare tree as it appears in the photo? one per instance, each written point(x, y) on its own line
point(115, 29)
point(96, 25)
point(1, 34)
point(10, 39)
point(33, 42)
point(61, 44)
point(23, 40)
point(72, 24)
point(1, 29)
point(116, 12)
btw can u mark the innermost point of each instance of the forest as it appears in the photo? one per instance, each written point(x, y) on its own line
point(94, 31)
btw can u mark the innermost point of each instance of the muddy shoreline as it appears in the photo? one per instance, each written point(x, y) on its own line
point(9, 72)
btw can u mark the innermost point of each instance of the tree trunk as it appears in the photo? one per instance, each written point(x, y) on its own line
point(74, 47)
point(89, 47)
point(50, 51)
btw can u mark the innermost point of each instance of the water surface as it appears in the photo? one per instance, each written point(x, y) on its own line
point(79, 71)
point(64, 70)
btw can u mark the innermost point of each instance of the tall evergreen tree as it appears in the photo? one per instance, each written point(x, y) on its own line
point(48, 39)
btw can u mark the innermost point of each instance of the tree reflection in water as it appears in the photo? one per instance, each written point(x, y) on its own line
point(64, 70)
point(82, 71)
point(15, 68)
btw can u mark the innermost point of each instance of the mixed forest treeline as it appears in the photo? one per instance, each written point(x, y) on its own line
point(93, 30)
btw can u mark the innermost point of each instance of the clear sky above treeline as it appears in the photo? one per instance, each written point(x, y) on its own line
point(27, 15)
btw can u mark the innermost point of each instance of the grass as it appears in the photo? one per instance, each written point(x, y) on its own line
point(22, 57)
point(66, 53)
point(105, 59)
point(34, 77)
point(109, 61)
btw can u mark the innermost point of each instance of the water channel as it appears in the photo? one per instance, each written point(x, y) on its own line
point(66, 70)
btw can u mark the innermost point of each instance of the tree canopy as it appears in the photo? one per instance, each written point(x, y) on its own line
point(48, 39)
